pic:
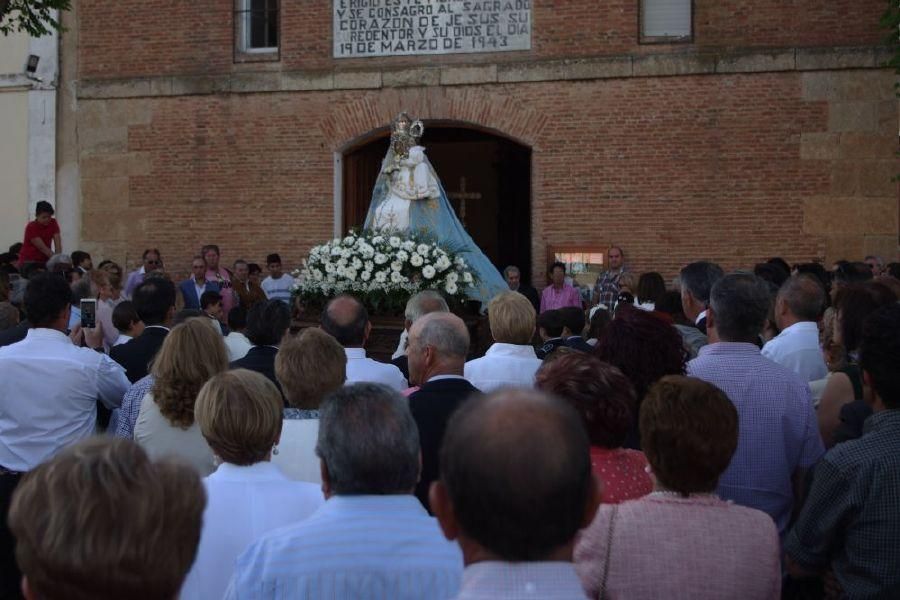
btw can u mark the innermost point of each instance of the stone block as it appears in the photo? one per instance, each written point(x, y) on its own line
point(468, 75)
point(757, 62)
point(307, 81)
point(843, 215)
point(867, 86)
point(517, 72)
point(101, 193)
point(876, 178)
point(599, 68)
point(126, 88)
point(256, 82)
point(819, 146)
point(411, 77)
point(818, 86)
point(845, 176)
point(815, 59)
point(884, 246)
point(98, 166)
point(357, 80)
point(673, 64)
point(843, 247)
point(853, 116)
point(192, 86)
point(889, 116)
point(161, 86)
point(857, 146)
point(102, 139)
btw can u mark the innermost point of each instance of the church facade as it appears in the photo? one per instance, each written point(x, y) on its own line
point(679, 130)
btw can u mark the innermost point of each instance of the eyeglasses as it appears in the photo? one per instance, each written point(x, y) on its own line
point(152, 262)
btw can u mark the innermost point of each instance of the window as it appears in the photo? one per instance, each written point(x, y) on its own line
point(256, 28)
point(666, 20)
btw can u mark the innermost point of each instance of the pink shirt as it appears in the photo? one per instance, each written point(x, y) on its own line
point(551, 298)
point(664, 546)
point(223, 278)
point(623, 473)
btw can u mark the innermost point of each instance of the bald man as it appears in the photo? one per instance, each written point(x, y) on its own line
point(515, 497)
point(798, 308)
point(438, 345)
point(346, 319)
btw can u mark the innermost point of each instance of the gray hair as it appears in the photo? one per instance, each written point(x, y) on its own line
point(83, 288)
point(445, 336)
point(740, 303)
point(58, 259)
point(804, 295)
point(698, 278)
point(427, 301)
point(511, 269)
point(368, 440)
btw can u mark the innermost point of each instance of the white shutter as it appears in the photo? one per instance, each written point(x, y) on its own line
point(666, 18)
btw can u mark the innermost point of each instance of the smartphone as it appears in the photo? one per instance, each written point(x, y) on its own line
point(89, 313)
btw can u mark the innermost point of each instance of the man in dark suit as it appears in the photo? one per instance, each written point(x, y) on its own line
point(194, 287)
point(697, 280)
point(438, 344)
point(154, 301)
point(418, 306)
point(513, 277)
point(550, 328)
point(573, 326)
point(267, 322)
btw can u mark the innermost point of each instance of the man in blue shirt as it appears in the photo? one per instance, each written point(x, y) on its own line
point(372, 538)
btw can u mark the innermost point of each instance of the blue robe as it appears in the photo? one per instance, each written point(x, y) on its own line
point(434, 220)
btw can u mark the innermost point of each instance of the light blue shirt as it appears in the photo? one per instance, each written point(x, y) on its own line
point(356, 547)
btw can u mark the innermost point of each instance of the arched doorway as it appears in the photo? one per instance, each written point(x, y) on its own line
point(487, 177)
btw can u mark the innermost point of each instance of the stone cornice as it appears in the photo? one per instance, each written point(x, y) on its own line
point(606, 67)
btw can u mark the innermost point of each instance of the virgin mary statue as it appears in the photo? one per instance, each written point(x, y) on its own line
point(409, 198)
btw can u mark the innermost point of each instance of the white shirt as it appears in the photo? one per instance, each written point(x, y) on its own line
point(797, 348)
point(278, 289)
point(360, 368)
point(122, 339)
point(238, 345)
point(160, 438)
point(700, 317)
point(48, 396)
point(199, 289)
point(503, 365)
point(297, 450)
point(243, 503)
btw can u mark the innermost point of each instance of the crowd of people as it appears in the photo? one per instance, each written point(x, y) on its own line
point(729, 435)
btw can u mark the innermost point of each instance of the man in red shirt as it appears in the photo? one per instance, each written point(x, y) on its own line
point(41, 236)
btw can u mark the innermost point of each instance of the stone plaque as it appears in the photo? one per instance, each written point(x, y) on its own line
point(364, 28)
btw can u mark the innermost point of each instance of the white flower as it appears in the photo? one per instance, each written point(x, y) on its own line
point(408, 245)
point(356, 263)
point(336, 251)
point(452, 277)
point(380, 258)
point(366, 275)
point(402, 256)
point(416, 260)
point(380, 276)
point(329, 268)
point(369, 265)
point(341, 263)
point(428, 272)
point(422, 249)
point(459, 261)
point(377, 239)
point(349, 240)
point(442, 264)
point(451, 288)
point(396, 265)
point(394, 241)
point(467, 277)
point(396, 277)
point(350, 274)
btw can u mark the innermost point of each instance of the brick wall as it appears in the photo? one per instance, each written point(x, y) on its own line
point(733, 168)
point(155, 37)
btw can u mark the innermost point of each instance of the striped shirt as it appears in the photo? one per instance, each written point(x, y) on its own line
point(123, 418)
point(353, 547)
point(777, 433)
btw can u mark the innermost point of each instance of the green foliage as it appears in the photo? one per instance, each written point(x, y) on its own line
point(31, 16)
point(890, 20)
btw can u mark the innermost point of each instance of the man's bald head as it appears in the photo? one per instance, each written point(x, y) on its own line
point(347, 320)
point(804, 296)
point(517, 473)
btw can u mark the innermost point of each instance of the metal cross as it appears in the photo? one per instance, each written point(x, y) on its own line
point(462, 195)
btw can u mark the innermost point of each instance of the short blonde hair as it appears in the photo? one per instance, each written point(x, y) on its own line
point(629, 280)
point(309, 366)
point(190, 355)
point(239, 413)
point(512, 318)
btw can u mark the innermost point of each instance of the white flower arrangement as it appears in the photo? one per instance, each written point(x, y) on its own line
point(383, 271)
